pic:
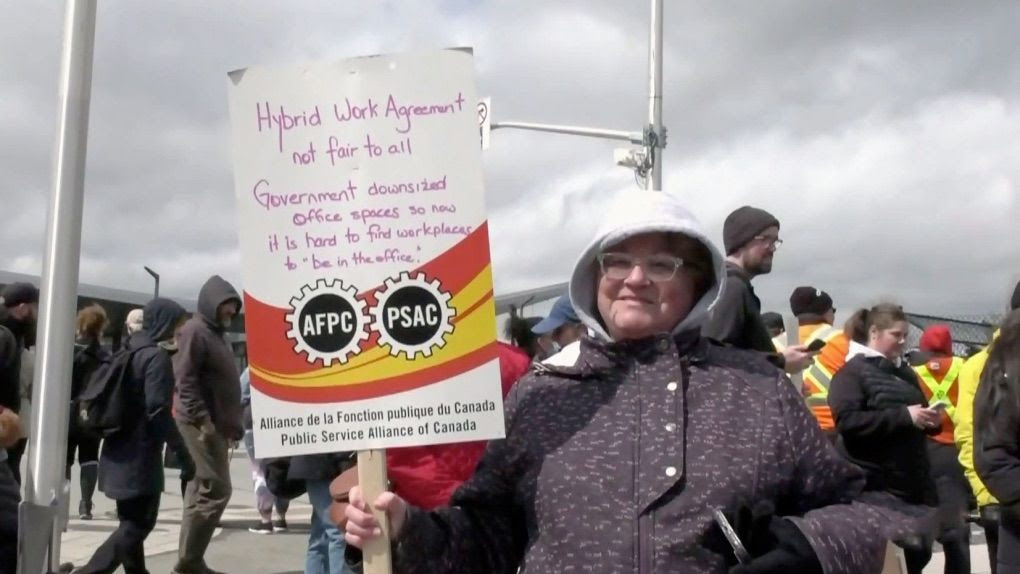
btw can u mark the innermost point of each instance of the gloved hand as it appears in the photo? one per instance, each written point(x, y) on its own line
point(775, 544)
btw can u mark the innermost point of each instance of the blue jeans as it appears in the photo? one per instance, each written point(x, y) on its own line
point(325, 542)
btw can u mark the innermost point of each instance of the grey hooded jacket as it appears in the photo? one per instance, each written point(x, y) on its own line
point(204, 367)
point(615, 463)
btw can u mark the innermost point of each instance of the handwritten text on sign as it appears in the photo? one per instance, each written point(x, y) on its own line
point(364, 243)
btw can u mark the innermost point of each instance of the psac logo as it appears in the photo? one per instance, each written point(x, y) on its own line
point(328, 322)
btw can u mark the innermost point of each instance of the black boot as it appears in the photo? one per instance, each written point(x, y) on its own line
point(89, 477)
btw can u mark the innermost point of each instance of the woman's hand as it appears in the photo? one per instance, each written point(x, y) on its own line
point(10, 428)
point(923, 417)
point(362, 527)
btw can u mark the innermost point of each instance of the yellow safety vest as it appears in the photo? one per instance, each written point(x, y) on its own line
point(816, 373)
point(940, 390)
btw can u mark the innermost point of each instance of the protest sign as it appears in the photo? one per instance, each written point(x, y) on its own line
point(367, 284)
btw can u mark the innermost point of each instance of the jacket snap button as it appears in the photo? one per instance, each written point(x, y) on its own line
point(670, 471)
point(671, 387)
point(670, 427)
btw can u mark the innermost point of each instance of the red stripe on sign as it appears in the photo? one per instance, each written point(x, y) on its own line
point(378, 388)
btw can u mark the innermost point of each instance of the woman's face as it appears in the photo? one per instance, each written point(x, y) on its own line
point(889, 342)
point(634, 300)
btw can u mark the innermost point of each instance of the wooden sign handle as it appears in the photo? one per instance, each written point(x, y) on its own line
point(372, 478)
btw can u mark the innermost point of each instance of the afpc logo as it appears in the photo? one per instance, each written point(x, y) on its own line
point(412, 316)
point(327, 322)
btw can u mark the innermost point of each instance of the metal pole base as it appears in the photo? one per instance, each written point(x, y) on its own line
point(35, 535)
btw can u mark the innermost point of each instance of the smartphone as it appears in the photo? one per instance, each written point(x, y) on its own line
point(816, 345)
point(938, 406)
point(743, 556)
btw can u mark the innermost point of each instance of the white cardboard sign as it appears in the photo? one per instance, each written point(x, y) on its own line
point(364, 244)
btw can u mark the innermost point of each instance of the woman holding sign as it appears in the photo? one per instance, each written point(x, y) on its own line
point(620, 459)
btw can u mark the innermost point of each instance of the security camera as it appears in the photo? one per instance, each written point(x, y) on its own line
point(633, 158)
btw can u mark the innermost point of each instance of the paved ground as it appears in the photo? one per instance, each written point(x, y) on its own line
point(235, 550)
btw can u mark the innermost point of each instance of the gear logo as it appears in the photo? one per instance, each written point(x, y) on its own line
point(413, 315)
point(328, 322)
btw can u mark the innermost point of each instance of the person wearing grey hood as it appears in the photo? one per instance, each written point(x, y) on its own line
point(207, 408)
point(131, 463)
point(616, 462)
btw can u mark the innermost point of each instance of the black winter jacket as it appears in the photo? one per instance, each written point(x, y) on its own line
point(88, 355)
point(131, 463)
point(736, 318)
point(10, 497)
point(997, 438)
point(614, 464)
point(869, 397)
point(320, 466)
point(12, 343)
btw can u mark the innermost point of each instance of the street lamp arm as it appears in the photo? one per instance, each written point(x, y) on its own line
point(155, 277)
point(632, 137)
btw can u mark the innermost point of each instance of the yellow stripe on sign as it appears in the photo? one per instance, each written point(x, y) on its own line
point(472, 332)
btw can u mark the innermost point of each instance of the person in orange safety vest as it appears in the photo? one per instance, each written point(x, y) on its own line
point(815, 316)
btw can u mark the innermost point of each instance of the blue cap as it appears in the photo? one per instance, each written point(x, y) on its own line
point(562, 312)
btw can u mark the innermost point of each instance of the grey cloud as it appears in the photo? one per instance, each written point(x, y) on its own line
point(819, 110)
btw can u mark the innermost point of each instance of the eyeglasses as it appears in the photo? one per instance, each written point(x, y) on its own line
point(773, 243)
point(658, 268)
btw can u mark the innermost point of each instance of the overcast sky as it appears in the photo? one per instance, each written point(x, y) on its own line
point(885, 135)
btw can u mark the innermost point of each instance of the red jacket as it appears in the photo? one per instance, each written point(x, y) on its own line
point(426, 476)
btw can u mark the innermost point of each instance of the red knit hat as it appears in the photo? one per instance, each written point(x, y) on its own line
point(937, 339)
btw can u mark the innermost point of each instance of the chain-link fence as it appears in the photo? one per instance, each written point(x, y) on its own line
point(971, 333)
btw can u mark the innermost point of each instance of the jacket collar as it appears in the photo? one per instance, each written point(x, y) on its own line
point(738, 271)
point(596, 356)
point(857, 349)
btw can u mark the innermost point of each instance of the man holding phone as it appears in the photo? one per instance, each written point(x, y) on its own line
point(939, 380)
point(815, 316)
point(751, 237)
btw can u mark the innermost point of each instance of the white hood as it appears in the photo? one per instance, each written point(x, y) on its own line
point(866, 351)
point(634, 213)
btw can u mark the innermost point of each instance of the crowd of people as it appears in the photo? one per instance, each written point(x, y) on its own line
point(621, 446)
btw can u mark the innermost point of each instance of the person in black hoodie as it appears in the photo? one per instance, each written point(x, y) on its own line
point(207, 408)
point(997, 437)
point(19, 304)
point(10, 494)
point(131, 462)
point(88, 355)
point(882, 417)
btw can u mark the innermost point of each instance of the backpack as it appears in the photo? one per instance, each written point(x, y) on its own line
point(102, 409)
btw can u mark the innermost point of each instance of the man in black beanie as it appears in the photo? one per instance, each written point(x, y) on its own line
point(751, 237)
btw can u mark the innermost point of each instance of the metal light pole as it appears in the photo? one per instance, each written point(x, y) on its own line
point(155, 276)
point(655, 134)
point(39, 530)
point(647, 161)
